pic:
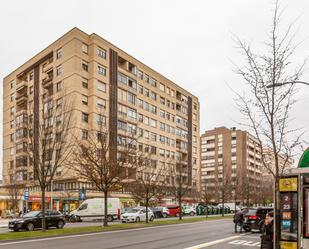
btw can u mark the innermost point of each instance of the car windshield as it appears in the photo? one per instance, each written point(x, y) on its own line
point(250, 212)
point(134, 210)
point(31, 214)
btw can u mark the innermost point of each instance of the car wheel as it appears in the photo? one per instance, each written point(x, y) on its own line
point(177, 215)
point(72, 219)
point(60, 224)
point(151, 218)
point(110, 218)
point(30, 227)
point(138, 219)
point(16, 230)
point(164, 215)
point(247, 229)
point(192, 213)
point(78, 219)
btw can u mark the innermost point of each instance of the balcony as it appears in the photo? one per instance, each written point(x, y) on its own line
point(48, 67)
point(21, 99)
point(21, 87)
point(47, 81)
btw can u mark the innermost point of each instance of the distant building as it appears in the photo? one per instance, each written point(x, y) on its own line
point(230, 165)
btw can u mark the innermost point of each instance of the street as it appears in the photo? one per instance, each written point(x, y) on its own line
point(207, 234)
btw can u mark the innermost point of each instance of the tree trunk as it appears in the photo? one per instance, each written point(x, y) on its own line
point(147, 204)
point(277, 214)
point(105, 223)
point(179, 203)
point(43, 210)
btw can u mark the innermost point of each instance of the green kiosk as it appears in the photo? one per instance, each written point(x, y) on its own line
point(294, 206)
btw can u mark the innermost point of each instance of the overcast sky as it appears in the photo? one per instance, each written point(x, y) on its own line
point(189, 42)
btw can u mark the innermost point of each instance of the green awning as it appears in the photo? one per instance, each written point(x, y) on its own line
point(304, 160)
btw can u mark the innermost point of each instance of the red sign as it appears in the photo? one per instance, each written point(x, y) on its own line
point(37, 199)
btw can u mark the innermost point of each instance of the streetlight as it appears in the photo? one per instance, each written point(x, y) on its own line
point(287, 83)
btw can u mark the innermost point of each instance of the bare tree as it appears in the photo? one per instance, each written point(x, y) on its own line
point(93, 163)
point(15, 190)
point(267, 108)
point(50, 144)
point(150, 181)
point(207, 196)
point(180, 185)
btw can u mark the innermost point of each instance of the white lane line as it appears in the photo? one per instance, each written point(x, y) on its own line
point(38, 239)
point(213, 242)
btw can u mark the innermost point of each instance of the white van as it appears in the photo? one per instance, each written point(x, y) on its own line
point(93, 209)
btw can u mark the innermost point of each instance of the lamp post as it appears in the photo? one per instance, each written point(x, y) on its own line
point(287, 83)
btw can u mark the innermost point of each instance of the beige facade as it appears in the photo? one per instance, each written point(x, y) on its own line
point(81, 69)
point(230, 162)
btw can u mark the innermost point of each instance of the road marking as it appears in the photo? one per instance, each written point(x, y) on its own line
point(246, 243)
point(98, 233)
point(213, 242)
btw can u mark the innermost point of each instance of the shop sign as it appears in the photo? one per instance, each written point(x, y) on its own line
point(288, 184)
point(38, 198)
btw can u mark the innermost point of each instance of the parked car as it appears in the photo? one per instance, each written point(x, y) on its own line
point(189, 210)
point(136, 215)
point(157, 212)
point(254, 218)
point(92, 209)
point(33, 220)
point(165, 211)
point(173, 210)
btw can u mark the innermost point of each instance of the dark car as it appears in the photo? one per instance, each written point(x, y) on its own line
point(254, 218)
point(157, 212)
point(33, 220)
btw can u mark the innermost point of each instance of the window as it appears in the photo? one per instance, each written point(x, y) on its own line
point(30, 90)
point(85, 48)
point(58, 119)
point(101, 86)
point(132, 84)
point(146, 77)
point(101, 69)
point(59, 103)
point(153, 136)
point(122, 110)
point(101, 103)
point(59, 53)
point(12, 84)
point(162, 87)
point(85, 117)
point(58, 86)
point(162, 100)
point(153, 95)
point(131, 98)
point(58, 70)
point(146, 120)
point(162, 139)
point(84, 99)
point(132, 128)
point(101, 119)
point(161, 152)
point(122, 125)
point(168, 90)
point(153, 109)
point(162, 114)
point(12, 124)
point(12, 110)
point(122, 95)
point(12, 97)
point(172, 93)
point(31, 76)
point(12, 137)
point(140, 74)
point(132, 113)
point(85, 66)
point(132, 68)
point(162, 126)
point(102, 53)
point(153, 82)
point(123, 79)
point(85, 83)
point(153, 122)
point(146, 92)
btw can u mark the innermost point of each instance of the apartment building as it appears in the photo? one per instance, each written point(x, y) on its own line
point(107, 85)
point(230, 165)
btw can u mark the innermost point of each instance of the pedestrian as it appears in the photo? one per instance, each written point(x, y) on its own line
point(267, 237)
point(239, 220)
point(24, 209)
